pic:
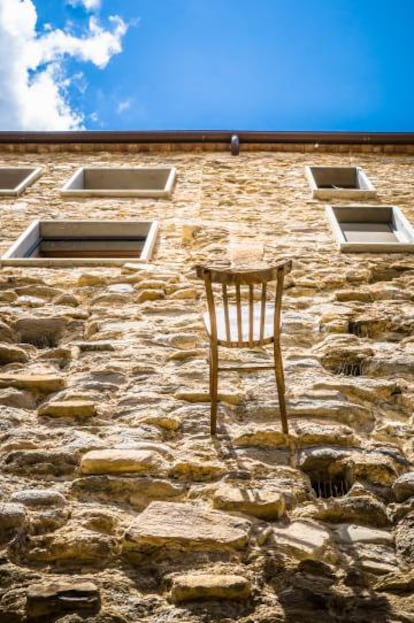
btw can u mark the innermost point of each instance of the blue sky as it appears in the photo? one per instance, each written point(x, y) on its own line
point(238, 64)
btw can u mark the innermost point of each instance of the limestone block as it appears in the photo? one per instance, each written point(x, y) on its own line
point(97, 345)
point(42, 332)
point(195, 469)
point(232, 398)
point(260, 501)
point(35, 498)
point(119, 461)
point(304, 540)
point(403, 487)
point(338, 410)
point(41, 462)
point(137, 491)
point(353, 533)
point(93, 279)
point(11, 397)
point(72, 546)
point(12, 517)
point(183, 294)
point(11, 354)
point(375, 467)
point(399, 364)
point(149, 295)
point(183, 340)
point(67, 298)
point(167, 422)
point(217, 586)
point(362, 294)
point(261, 435)
point(49, 599)
point(316, 434)
point(404, 539)
point(42, 383)
point(186, 525)
point(6, 334)
point(68, 408)
point(361, 509)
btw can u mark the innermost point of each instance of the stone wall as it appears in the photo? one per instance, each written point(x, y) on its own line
point(116, 504)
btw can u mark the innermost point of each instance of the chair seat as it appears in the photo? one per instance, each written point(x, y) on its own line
point(222, 337)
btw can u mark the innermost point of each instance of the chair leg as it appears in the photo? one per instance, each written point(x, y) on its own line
point(280, 383)
point(213, 387)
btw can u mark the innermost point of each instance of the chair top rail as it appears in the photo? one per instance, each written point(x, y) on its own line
point(243, 277)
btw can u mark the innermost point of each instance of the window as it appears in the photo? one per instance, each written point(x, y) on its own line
point(364, 229)
point(14, 180)
point(82, 242)
point(120, 182)
point(339, 182)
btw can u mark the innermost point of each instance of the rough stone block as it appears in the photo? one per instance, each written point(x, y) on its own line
point(118, 461)
point(186, 525)
point(217, 586)
point(68, 408)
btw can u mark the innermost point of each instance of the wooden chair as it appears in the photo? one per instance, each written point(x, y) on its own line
point(237, 325)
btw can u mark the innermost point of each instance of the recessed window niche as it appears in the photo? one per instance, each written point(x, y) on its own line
point(371, 229)
point(51, 243)
point(339, 182)
point(13, 180)
point(154, 182)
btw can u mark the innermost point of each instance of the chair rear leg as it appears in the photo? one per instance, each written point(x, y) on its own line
point(280, 383)
point(213, 388)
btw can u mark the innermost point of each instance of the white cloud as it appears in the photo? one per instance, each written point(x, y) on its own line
point(89, 5)
point(34, 84)
point(124, 105)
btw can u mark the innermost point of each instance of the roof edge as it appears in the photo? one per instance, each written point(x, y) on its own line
point(209, 136)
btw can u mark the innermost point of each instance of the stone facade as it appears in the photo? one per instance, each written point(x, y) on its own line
point(116, 506)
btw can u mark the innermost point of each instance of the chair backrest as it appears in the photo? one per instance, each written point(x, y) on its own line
point(239, 314)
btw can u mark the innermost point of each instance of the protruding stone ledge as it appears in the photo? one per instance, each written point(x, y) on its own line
point(68, 408)
point(260, 502)
point(120, 461)
point(304, 540)
point(403, 487)
point(209, 586)
point(42, 383)
point(53, 598)
point(186, 525)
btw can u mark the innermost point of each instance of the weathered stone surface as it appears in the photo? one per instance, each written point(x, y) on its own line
point(6, 334)
point(118, 461)
point(403, 487)
point(316, 434)
point(39, 498)
point(404, 539)
point(72, 547)
point(19, 399)
point(42, 383)
point(352, 533)
point(54, 598)
point(197, 469)
point(137, 491)
point(303, 540)
point(68, 408)
point(46, 463)
point(260, 501)
point(41, 332)
point(11, 354)
point(263, 435)
point(12, 517)
point(186, 525)
point(348, 348)
point(217, 586)
point(361, 509)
